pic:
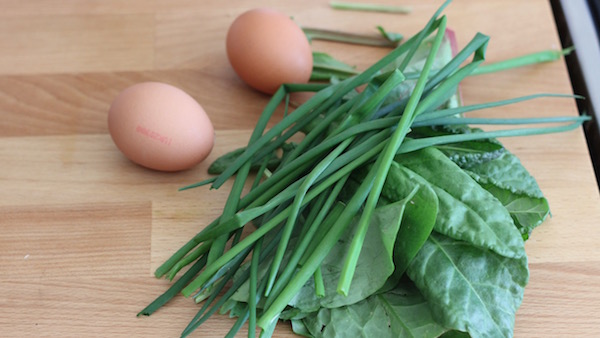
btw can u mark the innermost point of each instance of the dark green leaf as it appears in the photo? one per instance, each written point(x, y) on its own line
point(326, 61)
point(467, 211)
point(527, 212)
point(468, 288)
point(234, 308)
point(401, 312)
point(508, 173)
point(455, 334)
point(470, 153)
point(326, 67)
point(419, 216)
point(375, 263)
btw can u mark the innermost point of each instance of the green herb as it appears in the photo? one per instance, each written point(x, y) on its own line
point(529, 59)
point(385, 39)
point(354, 6)
point(325, 67)
point(394, 38)
point(391, 207)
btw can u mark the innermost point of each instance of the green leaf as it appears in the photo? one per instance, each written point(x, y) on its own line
point(527, 212)
point(472, 152)
point(507, 179)
point(455, 334)
point(466, 153)
point(419, 216)
point(401, 312)
point(326, 67)
point(300, 328)
point(508, 173)
point(325, 61)
point(234, 308)
point(375, 263)
point(364, 319)
point(468, 288)
point(467, 211)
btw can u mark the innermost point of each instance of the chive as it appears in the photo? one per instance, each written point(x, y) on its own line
point(516, 62)
point(189, 259)
point(345, 37)
point(295, 207)
point(465, 109)
point(369, 105)
point(319, 285)
point(235, 328)
point(259, 173)
point(204, 313)
point(252, 298)
point(231, 205)
point(313, 106)
point(199, 184)
point(354, 6)
point(175, 288)
point(271, 224)
point(318, 129)
point(500, 121)
point(231, 254)
point(222, 274)
point(365, 110)
point(318, 223)
point(416, 144)
point(476, 46)
point(394, 38)
point(383, 164)
point(525, 60)
point(177, 256)
point(316, 257)
point(431, 25)
point(321, 101)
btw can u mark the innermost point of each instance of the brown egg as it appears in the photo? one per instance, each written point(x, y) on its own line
point(160, 127)
point(266, 49)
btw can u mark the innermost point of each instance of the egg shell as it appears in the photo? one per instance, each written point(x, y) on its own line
point(160, 127)
point(266, 49)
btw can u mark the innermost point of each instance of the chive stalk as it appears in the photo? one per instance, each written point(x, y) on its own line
point(355, 6)
point(345, 37)
point(381, 170)
point(252, 298)
point(525, 60)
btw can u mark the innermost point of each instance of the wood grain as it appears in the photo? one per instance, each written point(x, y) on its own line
point(64, 240)
point(82, 228)
point(78, 43)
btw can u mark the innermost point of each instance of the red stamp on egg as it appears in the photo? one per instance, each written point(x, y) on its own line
point(153, 135)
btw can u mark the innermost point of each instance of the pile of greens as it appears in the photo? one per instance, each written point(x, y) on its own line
point(392, 217)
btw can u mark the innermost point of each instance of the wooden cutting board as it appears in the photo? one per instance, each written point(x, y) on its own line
point(82, 229)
